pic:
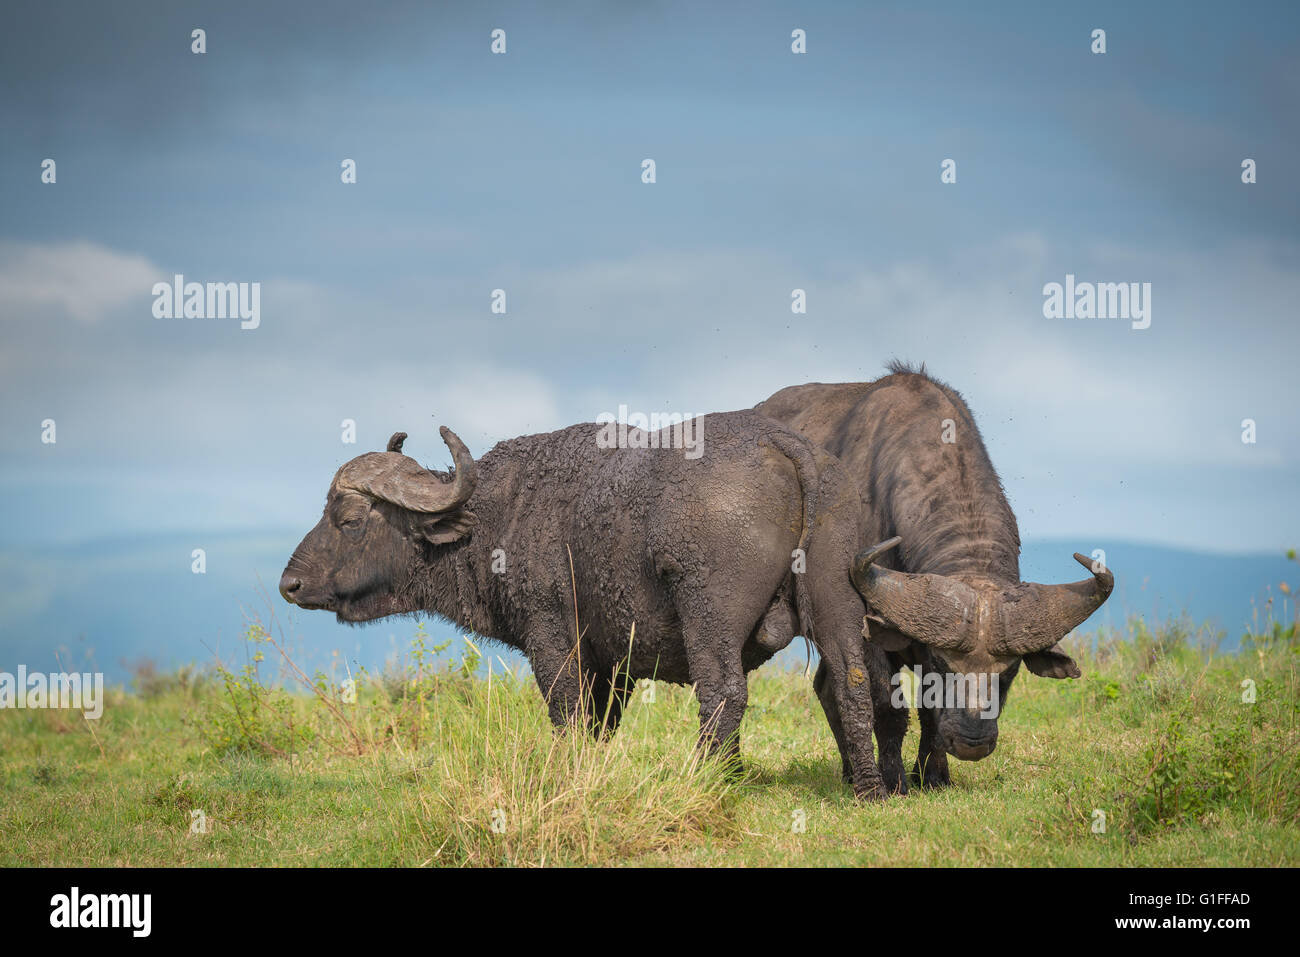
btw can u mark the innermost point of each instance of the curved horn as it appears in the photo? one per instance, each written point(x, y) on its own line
point(395, 443)
point(1035, 617)
point(466, 475)
point(869, 556)
point(933, 609)
point(403, 481)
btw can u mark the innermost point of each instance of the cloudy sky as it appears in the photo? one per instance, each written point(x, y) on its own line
point(522, 172)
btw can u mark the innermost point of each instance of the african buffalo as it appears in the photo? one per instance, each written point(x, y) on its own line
point(557, 546)
point(943, 586)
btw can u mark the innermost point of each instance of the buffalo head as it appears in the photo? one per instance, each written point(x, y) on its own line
point(384, 509)
point(977, 630)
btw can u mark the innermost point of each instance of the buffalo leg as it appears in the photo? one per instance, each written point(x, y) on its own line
point(564, 686)
point(890, 728)
point(931, 768)
point(851, 689)
point(723, 694)
point(837, 631)
point(609, 694)
point(837, 628)
point(717, 619)
point(891, 722)
point(718, 674)
point(822, 685)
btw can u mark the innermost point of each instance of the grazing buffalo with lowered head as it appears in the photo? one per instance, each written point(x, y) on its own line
point(557, 546)
point(943, 587)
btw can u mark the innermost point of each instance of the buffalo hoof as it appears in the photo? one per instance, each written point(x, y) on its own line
point(935, 777)
point(869, 786)
point(894, 779)
point(733, 769)
point(870, 791)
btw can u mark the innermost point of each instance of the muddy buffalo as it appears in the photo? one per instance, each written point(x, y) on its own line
point(943, 586)
point(557, 546)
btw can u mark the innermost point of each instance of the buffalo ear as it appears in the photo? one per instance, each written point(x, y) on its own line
point(1052, 663)
point(447, 527)
point(878, 633)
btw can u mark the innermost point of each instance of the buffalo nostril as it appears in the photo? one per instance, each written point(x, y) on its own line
point(289, 586)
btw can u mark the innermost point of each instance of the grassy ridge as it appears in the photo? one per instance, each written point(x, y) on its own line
point(433, 766)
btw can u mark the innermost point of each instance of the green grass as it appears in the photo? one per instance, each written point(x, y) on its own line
point(415, 772)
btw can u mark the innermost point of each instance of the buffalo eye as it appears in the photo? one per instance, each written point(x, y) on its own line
point(350, 517)
point(353, 526)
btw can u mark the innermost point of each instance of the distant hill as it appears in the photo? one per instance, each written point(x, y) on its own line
point(1154, 582)
point(118, 601)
